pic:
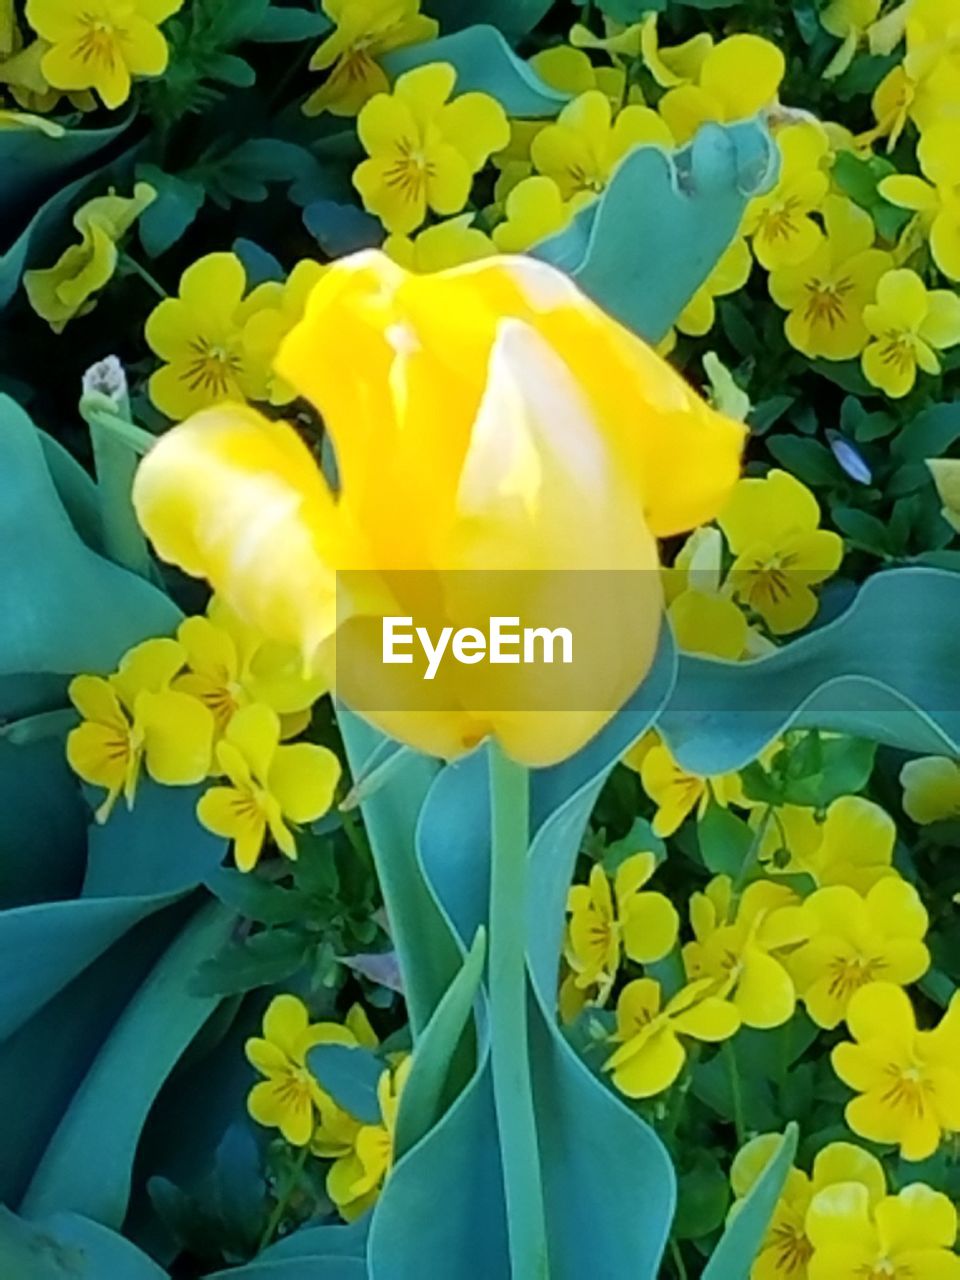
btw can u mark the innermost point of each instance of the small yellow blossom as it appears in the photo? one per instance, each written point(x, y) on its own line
point(786, 1249)
point(132, 719)
point(703, 616)
point(849, 21)
point(534, 210)
point(737, 78)
point(271, 787)
point(583, 147)
point(60, 293)
point(362, 1153)
point(101, 44)
point(826, 293)
point(877, 937)
point(931, 789)
point(643, 926)
point(783, 233)
point(200, 336)
point(729, 275)
point(741, 947)
point(919, 90)
point(571, 71)
point(268, 314)
point(772, 526)
point(436, 248)
point(909, 325)
point(678, 793)
point(364, 31)
point(852, 844)
point(946, 476)
point(907, 1081)
point(910, 1235)
point(423, 149)
point(290, 1099)
point(651, 1053)
point(680, 63)
point(934, 197)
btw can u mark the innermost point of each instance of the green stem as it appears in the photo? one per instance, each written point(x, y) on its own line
point(733, 1070)
point(753, 853)
point(510, 1045)
point(117, 444)
point(144, 275)
point(283, 1199)
point(678, 1262)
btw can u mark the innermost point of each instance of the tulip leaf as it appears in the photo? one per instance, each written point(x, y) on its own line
point(87, 1167)
point(42, 823)
point(884, 670)
point(65, 1246)
point(485, 63)
point(653, 236)
point(41, 162)
point(329, 1266)
point(350, 1076)
point(348, 1242)
point(734, 1255)
point(513, 17)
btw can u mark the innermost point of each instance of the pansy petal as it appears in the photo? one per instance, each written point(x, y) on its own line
point(303, 778)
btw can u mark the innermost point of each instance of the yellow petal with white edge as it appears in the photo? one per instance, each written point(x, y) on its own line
point(178, 737)
point(881, 1011)
point(744, 73)
point(653, 1068)
point(840, 1215)
point(219, 494)
point(649, 927)
point(941, 326)
point(303, 779)
point(846, 1162)
point(711, 1019)
point(917, 1218)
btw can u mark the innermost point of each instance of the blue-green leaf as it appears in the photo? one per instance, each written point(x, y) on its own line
point(513, 17)
point(734, 1255)
point(280, 25)
point(40, 162)
point(65, 1246)
point(350, 1076)
point(42, 823)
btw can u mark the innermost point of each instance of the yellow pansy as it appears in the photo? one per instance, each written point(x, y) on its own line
point(583, 147)
point(852, 844)
point(267, 315)
point(643, 926)
point(923, 88)
point(228, 666)
point(66, 290)
point(423, 149)
point(289, 1099)
point(772, 527)
point(534, 210)
point(909, 325)
point(272, 788)
point(470, 411)
point(907, 1081)
point(779, 223)
point(786, 1249)
point(364, 30)
point(931, 789)
point(729, 275)
point(364, 1152)
point(678, 793)
point(946, 476)
point(437, 248)
point(680, 63)
point(737, 78)
point(703, 617)
point(911, 1234)
point(827, 292)
point(741, 947)
point(200, 336)
point(101, 44)
point(858, 940)
point(936, 200)
point(133, 719)
point(651, 1053)
point(849, 21)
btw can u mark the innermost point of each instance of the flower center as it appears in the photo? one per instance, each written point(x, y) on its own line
point(825, 302)
point(781, 221)
point(411, 171)
point(792, 1248)
point(212, 367)
point(849, 974)
point(897, 349)
point(907, 1089)
point(98, 42)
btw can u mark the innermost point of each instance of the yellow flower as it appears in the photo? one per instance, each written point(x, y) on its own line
point(289, 1099)
point(858, 940)
point(936, 200)
point(267, 315)
point(364, 31)
point(786, 1249)
point(946, 476)
point(583, 147)
point(364, 1152)
point(571, 71)
point(681, 63)
point(909, 325)
point(437, 248)
point(200, 336)
point(65, 290)
point(101, 44)
point(643, 926)
point(910, 1234)
point(908, 1081)
point(229, 666)
point(534, 210)
point(651, 1053)
point(703, 617)
point(676, 793)
point(931, 789)
point(270, 787)
point(851, 845)
point(471, 411)
point(922, 89)
point(772, 526)
point(849, 21)
point(423, 149)
point(827, 292)
point(21, 70)
point(741, 950)
point(730, 274)
point(736, 78)
point(132, 719)
point(779, 222)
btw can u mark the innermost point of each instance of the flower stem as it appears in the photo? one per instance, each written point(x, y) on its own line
point(144, 275)
point(510, 1046)
point(736, 1093)
point(753, 853)
point(283, 1199)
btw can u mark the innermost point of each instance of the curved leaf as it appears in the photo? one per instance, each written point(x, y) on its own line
point(43, 823)
point(65, 1246)
point(484, 62)
point(513, 17)
point(734, 1255)
point(40, 161)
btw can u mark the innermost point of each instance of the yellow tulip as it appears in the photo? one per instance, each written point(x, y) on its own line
point(485, 418)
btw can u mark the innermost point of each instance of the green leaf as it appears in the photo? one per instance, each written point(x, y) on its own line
point(845, 374)
point(808, 460)
point(88, 1164)
point(734, 1255)
point(350, 1076)
point(703, 1198)
point(931, 434)
point(725, 841)
point(178, 202)
point(863, 529)
point(278, 26)
point(255, 898)
point(41, 164)
point(65, 1246)
point(258, 961)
